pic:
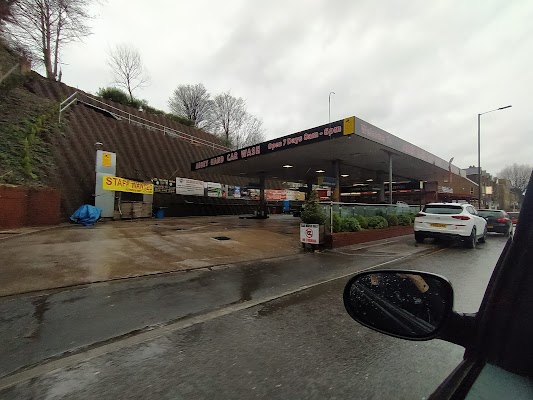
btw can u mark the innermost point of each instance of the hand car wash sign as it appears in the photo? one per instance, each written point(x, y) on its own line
point(314, 135)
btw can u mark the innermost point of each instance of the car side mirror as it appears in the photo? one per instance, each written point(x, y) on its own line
point(406, 304)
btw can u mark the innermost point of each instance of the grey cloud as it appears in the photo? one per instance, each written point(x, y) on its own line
point(420, 70)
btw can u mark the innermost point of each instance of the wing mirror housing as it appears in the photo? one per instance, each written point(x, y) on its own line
point(407, 304)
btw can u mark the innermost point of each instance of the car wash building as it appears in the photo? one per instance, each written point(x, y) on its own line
point(349, 161)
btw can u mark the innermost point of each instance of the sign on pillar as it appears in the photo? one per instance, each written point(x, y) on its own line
point(106, 165)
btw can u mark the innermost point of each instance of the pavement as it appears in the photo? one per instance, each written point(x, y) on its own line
point(73, 254)
point(50, 323)
point(273, 328)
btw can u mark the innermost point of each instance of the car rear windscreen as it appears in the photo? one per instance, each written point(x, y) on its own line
point(490, 213)
point(442, 209)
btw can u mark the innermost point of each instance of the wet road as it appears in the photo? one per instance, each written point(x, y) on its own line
point(301, 345)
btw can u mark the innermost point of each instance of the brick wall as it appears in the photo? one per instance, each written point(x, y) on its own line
point(43, 207)
point(21, 206)
point(368, 235)
point(13, 206)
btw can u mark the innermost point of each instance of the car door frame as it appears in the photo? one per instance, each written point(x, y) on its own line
point(479, 222)
point(502, 327)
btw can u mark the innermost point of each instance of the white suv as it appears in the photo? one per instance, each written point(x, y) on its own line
point(452, 221)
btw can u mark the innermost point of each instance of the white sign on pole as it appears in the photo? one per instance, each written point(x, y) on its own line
point(189, 187)
point(309, 233)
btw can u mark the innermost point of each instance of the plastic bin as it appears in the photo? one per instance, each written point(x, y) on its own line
point(160, 213)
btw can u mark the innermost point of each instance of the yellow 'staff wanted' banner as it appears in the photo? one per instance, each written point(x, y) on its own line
point(125, 185)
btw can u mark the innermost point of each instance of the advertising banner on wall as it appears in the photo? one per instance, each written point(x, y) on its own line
point(275, 195)
point(164, 185)
point(125, 185)
point(189, 187)
point(214, 189)
point(295, 196)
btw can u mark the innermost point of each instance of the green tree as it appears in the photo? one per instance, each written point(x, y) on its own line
point(313, 213)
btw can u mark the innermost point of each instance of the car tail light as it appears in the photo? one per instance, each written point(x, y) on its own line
point(420, 214)
point(503, 219)
point(461, 217)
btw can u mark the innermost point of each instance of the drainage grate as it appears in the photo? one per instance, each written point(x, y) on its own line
point(222, 238)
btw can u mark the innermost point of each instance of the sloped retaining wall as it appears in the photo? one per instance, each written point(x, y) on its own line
point(368, 235)
point(23, 206)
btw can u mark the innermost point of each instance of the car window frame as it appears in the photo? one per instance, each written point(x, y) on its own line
point(473, 212)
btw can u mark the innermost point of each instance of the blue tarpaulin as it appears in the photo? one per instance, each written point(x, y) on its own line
point(86, 215)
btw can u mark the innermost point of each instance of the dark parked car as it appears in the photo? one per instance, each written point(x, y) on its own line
point(414, 305)
point(497, 221)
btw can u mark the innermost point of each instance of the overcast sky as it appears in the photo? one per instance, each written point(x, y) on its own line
point(420, 70)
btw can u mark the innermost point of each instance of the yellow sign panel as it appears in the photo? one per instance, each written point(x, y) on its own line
point(106, 159)
point(349, 126)
point(125, 185)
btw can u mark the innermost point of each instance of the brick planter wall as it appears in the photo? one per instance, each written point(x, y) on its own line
point(21, 206)
point(369, 235)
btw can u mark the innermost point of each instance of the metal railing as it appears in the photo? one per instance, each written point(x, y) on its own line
point(136, 120)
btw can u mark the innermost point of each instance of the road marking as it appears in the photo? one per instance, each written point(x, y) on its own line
point(363, 247)
point(34, 372)
point(437, 251)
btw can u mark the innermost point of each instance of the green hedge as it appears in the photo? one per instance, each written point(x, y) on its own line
point(404, 220)
point(363, 222)
point(377, 222)
point(337, 223)
point(350, 224)
point(392, 220)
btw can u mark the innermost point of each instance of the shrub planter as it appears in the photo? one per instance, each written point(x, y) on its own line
point(368, 235)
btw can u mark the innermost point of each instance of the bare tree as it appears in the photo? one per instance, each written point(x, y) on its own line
point(192, 102)
point(128, 69)
point(251, 133)
point(517, 174)
point(230, 120)
point(5, 11)
point(46, 26)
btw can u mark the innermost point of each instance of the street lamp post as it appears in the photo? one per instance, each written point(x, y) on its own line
point(450, 170)
point(329, 104)
point(479, 149)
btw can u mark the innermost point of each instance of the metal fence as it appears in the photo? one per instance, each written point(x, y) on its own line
point(120, 114)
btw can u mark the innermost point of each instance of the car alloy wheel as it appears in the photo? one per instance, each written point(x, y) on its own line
point(483, 239)
point(471, 242)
